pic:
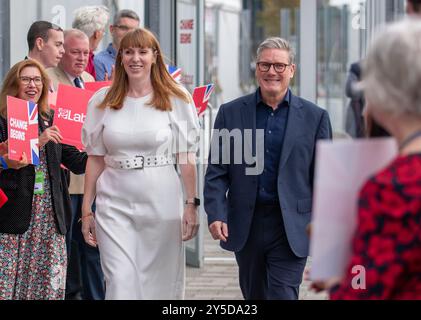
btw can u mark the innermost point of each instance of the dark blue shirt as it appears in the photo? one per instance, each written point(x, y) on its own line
point(274, 123)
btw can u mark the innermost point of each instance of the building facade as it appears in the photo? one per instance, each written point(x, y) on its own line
point(215, 41)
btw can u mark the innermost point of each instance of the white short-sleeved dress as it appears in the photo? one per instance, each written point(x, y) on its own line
point(139, 211)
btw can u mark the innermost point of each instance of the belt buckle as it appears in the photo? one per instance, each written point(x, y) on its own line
point(142, 159)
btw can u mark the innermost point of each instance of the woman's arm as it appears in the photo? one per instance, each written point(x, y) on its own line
point(187, 163)
point(94, 169)
point(73, 159)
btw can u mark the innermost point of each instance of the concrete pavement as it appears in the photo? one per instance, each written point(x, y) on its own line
point(218, 279)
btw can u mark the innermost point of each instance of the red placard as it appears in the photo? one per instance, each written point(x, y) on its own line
point(95, 86)
point(70, 113)
point(22, 125)
point(201, 96)
point(3, 198)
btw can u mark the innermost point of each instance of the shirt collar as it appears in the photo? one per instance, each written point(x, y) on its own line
point(111, 50)
point(286, 99)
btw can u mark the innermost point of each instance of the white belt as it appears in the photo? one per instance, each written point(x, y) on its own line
point(138, 162)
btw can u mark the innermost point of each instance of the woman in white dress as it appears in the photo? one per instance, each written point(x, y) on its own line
point(134, 133)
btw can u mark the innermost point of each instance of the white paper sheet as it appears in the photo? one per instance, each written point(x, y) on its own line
point(342, 168)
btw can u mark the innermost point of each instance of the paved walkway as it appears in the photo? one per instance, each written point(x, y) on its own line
point(218, 279)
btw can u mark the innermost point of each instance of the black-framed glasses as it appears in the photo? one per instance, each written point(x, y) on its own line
point(265, 66)
point(27, 80)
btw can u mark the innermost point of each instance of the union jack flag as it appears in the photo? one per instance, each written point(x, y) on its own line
point(32, 113)
point(33, 122)
point(201, 96)
point(22, 138)
point(175, 72)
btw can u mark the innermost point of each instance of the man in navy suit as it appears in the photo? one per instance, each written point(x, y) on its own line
point(258, 189)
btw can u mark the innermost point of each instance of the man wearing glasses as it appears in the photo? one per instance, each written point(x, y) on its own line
point(259, 207)
point(124, 21)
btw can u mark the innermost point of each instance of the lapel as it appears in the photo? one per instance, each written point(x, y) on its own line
point(46, 123)
point(248, 115)
point(63, 78)
point(293, 130)
point(49, 147)
point(58, 76)
point(86, 77)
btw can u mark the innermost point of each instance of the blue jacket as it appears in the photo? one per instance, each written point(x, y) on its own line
point(230, 191)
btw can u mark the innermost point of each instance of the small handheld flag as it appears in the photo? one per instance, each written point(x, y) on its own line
point(201, 96)
point(175, 72)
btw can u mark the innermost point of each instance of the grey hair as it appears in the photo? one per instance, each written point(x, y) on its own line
point(277, 43)
point(392, 69)
point(75, 33)
point(90, 19)
point(125, 13)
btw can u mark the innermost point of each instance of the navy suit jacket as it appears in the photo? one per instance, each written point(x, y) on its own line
point(230, 194)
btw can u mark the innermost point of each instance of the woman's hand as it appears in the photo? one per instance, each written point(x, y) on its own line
point(50, 134)
point(321, 285)
point(16, 165)
point(88, 228)
point(3, 148)
point(190, 222)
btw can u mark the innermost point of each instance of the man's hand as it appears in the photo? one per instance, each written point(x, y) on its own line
point(111, 77)
point(50, 134)
point(219, 230)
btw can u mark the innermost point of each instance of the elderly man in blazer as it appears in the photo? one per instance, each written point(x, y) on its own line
point(71, 72)
point(259, 182)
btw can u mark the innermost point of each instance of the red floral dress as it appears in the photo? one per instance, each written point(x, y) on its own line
point(387, 243)
point(33, 265)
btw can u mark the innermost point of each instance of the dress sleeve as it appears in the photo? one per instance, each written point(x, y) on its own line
point(185, 126)
point(92, 130)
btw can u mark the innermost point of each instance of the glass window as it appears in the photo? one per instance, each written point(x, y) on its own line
point(338, 34)
point(186, 42)
point(344, 30)
point(233, 31)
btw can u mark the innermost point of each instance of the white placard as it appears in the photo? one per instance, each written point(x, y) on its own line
point(342, 168)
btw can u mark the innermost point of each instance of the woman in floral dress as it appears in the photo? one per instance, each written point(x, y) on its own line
point(34, 221)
